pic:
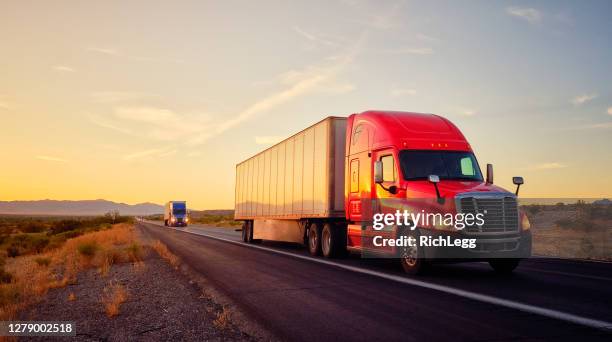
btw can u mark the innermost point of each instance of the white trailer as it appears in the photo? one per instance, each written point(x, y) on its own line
point(300, 178)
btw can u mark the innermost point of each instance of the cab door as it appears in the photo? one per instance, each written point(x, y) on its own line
point(385, 197)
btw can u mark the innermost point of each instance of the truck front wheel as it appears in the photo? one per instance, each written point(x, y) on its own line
point(412, 257)
point(314, 239)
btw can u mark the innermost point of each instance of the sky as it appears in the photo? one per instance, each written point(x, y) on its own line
point(148, 101)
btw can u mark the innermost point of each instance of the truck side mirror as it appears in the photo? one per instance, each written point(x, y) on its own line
point(490, 173)
point(518, 181)
point(435, 179)
point(378, 172)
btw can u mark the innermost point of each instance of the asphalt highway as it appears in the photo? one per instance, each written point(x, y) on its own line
point(297, 297)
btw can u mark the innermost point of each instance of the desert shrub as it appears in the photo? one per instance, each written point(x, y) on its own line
point(38, 243)
point(43, 261)
point(602, 212)
point(88, 248)
point(165, 253)
point(134, 252)
point(533, 209)
point(112, 298)
point(64, 226)
point(12, 251)
point(5, 277)
point(32, 227)
point(23, 244)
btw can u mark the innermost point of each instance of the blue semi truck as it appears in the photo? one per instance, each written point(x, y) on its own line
point(175, 214)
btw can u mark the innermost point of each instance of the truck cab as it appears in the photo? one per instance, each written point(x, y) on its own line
point(175, 214)
point(423, 163)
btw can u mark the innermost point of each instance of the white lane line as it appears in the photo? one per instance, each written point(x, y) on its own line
point(550, 313)
point(568, 274)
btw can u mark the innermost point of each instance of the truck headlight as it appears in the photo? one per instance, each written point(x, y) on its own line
point(173, 219)
point(525, 225)
point(186, 219)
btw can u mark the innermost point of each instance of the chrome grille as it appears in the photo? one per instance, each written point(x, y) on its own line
point(500, 213)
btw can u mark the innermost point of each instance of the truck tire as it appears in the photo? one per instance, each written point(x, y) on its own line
point(333, 242)
point(412, 257)
point(244, 231)
point(314, 239)
point(249, 232)
point(504, 266)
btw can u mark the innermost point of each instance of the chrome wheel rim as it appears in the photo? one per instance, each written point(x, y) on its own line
point(410, 255)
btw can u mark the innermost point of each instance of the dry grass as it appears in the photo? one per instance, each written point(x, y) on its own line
point(34, 275)
point(223, 320)
point(139, 266)
point(573, 243)
point(112, 298)
point(71, 297)
point(165, 253)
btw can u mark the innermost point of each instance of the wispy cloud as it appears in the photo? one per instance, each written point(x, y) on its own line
point(118, 96)
point(426, 38)
point(268, 139)
point(296, 83)
point(150, 115)
point(466, 112)
point(547, 166)
point(398, 92)
point(578, 100)
point(149, 154)
point(595, 126)
point(314, 38)
point(153, 123)
point(531, 15)
point(106, 51)
point(64, 68)
point(52, 159)
point(411, 51)
point(105, 122)
point(337, 88)
point(373, 19)
point(117, 53)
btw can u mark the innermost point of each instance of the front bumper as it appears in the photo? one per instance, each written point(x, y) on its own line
point(515, 246)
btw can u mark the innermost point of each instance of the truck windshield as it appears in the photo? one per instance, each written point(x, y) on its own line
point(178, 211)
point(445, 164)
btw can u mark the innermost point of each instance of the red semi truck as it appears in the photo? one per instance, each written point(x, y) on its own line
point(323, 186)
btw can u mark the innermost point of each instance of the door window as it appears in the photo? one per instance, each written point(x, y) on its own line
point(388, 166)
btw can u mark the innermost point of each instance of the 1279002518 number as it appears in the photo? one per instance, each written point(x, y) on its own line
point(37, 328)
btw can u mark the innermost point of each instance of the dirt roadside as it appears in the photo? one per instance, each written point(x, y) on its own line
point(162, 303)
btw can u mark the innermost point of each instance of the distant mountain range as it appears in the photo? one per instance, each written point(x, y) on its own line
point(85, 208)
